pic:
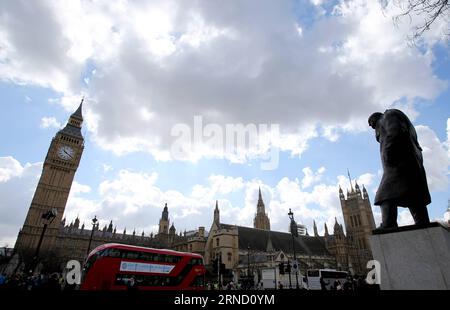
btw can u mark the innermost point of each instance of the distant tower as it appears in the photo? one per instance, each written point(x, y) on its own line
point(359, 223)
point(447, 214)
point(76, 223)
point(61, 163)
point(261, 220)
point(217, 214)
point(110, 227)
point(316, 234)
point(164, 221)
point(172, 230)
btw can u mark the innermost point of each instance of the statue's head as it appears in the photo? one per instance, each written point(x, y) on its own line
point(373, 119)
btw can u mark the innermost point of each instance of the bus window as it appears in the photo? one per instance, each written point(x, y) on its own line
point(313, 273)
point(132, 255)
point(147, 256)
point(114, 253)
point(91, 260)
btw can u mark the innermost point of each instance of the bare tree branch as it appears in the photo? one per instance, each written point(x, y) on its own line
point(429, 10)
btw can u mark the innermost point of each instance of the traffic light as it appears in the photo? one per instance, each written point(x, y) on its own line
point(281, 267)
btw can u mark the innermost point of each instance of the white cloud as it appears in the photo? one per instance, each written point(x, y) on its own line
point(169, 60)
point(9, 167)
point(22, 181)
point(50, 122)
point(311, 177)
point(318, 2)
point(436, 158)
point(448, 137)
point(404, 217)
point(106, 168)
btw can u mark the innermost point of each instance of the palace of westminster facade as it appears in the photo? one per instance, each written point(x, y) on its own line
point(237, 246)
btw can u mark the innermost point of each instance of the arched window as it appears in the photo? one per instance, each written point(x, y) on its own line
point(229, 256)
point(217, 241)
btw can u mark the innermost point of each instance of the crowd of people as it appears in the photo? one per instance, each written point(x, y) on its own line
point(350, 284)
point(35, 281)
point(56, 281)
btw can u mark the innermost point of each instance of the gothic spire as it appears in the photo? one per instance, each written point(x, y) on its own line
point(73, 126)
point(165, 213)
point(217, 214)
point(316, 234)
point(260, 207)
point(79, 112)
point(350, 179)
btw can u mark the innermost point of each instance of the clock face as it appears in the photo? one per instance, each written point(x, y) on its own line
point(66, 152)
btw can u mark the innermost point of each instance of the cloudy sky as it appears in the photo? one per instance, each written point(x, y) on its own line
point(315, 68)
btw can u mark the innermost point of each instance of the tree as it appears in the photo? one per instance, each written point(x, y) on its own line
point(429, 10)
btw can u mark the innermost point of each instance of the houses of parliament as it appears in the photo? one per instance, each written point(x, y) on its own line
point(343, 249)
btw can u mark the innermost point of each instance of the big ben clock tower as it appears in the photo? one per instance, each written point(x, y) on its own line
point(60, 165)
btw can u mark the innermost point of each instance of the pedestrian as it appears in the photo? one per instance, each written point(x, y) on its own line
point(131, 284)
point(323, 285)
point(280, 285)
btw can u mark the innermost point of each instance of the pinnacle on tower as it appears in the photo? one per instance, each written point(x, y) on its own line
point(350, 179)
point(326, 229)
point(73, 126)
point(78, 113)
point(341, 193)
point(316, 234)
point(165, 213)
point(336, 225)
point(217, 214)
point(365, 194)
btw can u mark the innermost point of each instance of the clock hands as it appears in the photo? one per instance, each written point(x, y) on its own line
point(68, 154)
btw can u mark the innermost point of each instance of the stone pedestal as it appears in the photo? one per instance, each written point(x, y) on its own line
point(413, 258)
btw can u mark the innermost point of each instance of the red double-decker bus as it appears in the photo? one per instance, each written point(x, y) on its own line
point(119, 267)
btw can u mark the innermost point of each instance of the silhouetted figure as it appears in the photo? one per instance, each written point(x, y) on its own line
point(404, 182)
point(323, 285)
point(131, 284)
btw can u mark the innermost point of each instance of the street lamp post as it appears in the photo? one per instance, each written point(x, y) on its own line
point(48, 216)
point(219, 263)
point(94, 222)
point(294, 231)
point(248, 261)
point(248, 265)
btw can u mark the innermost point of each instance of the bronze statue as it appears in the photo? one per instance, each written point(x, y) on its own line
point(404, 182)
